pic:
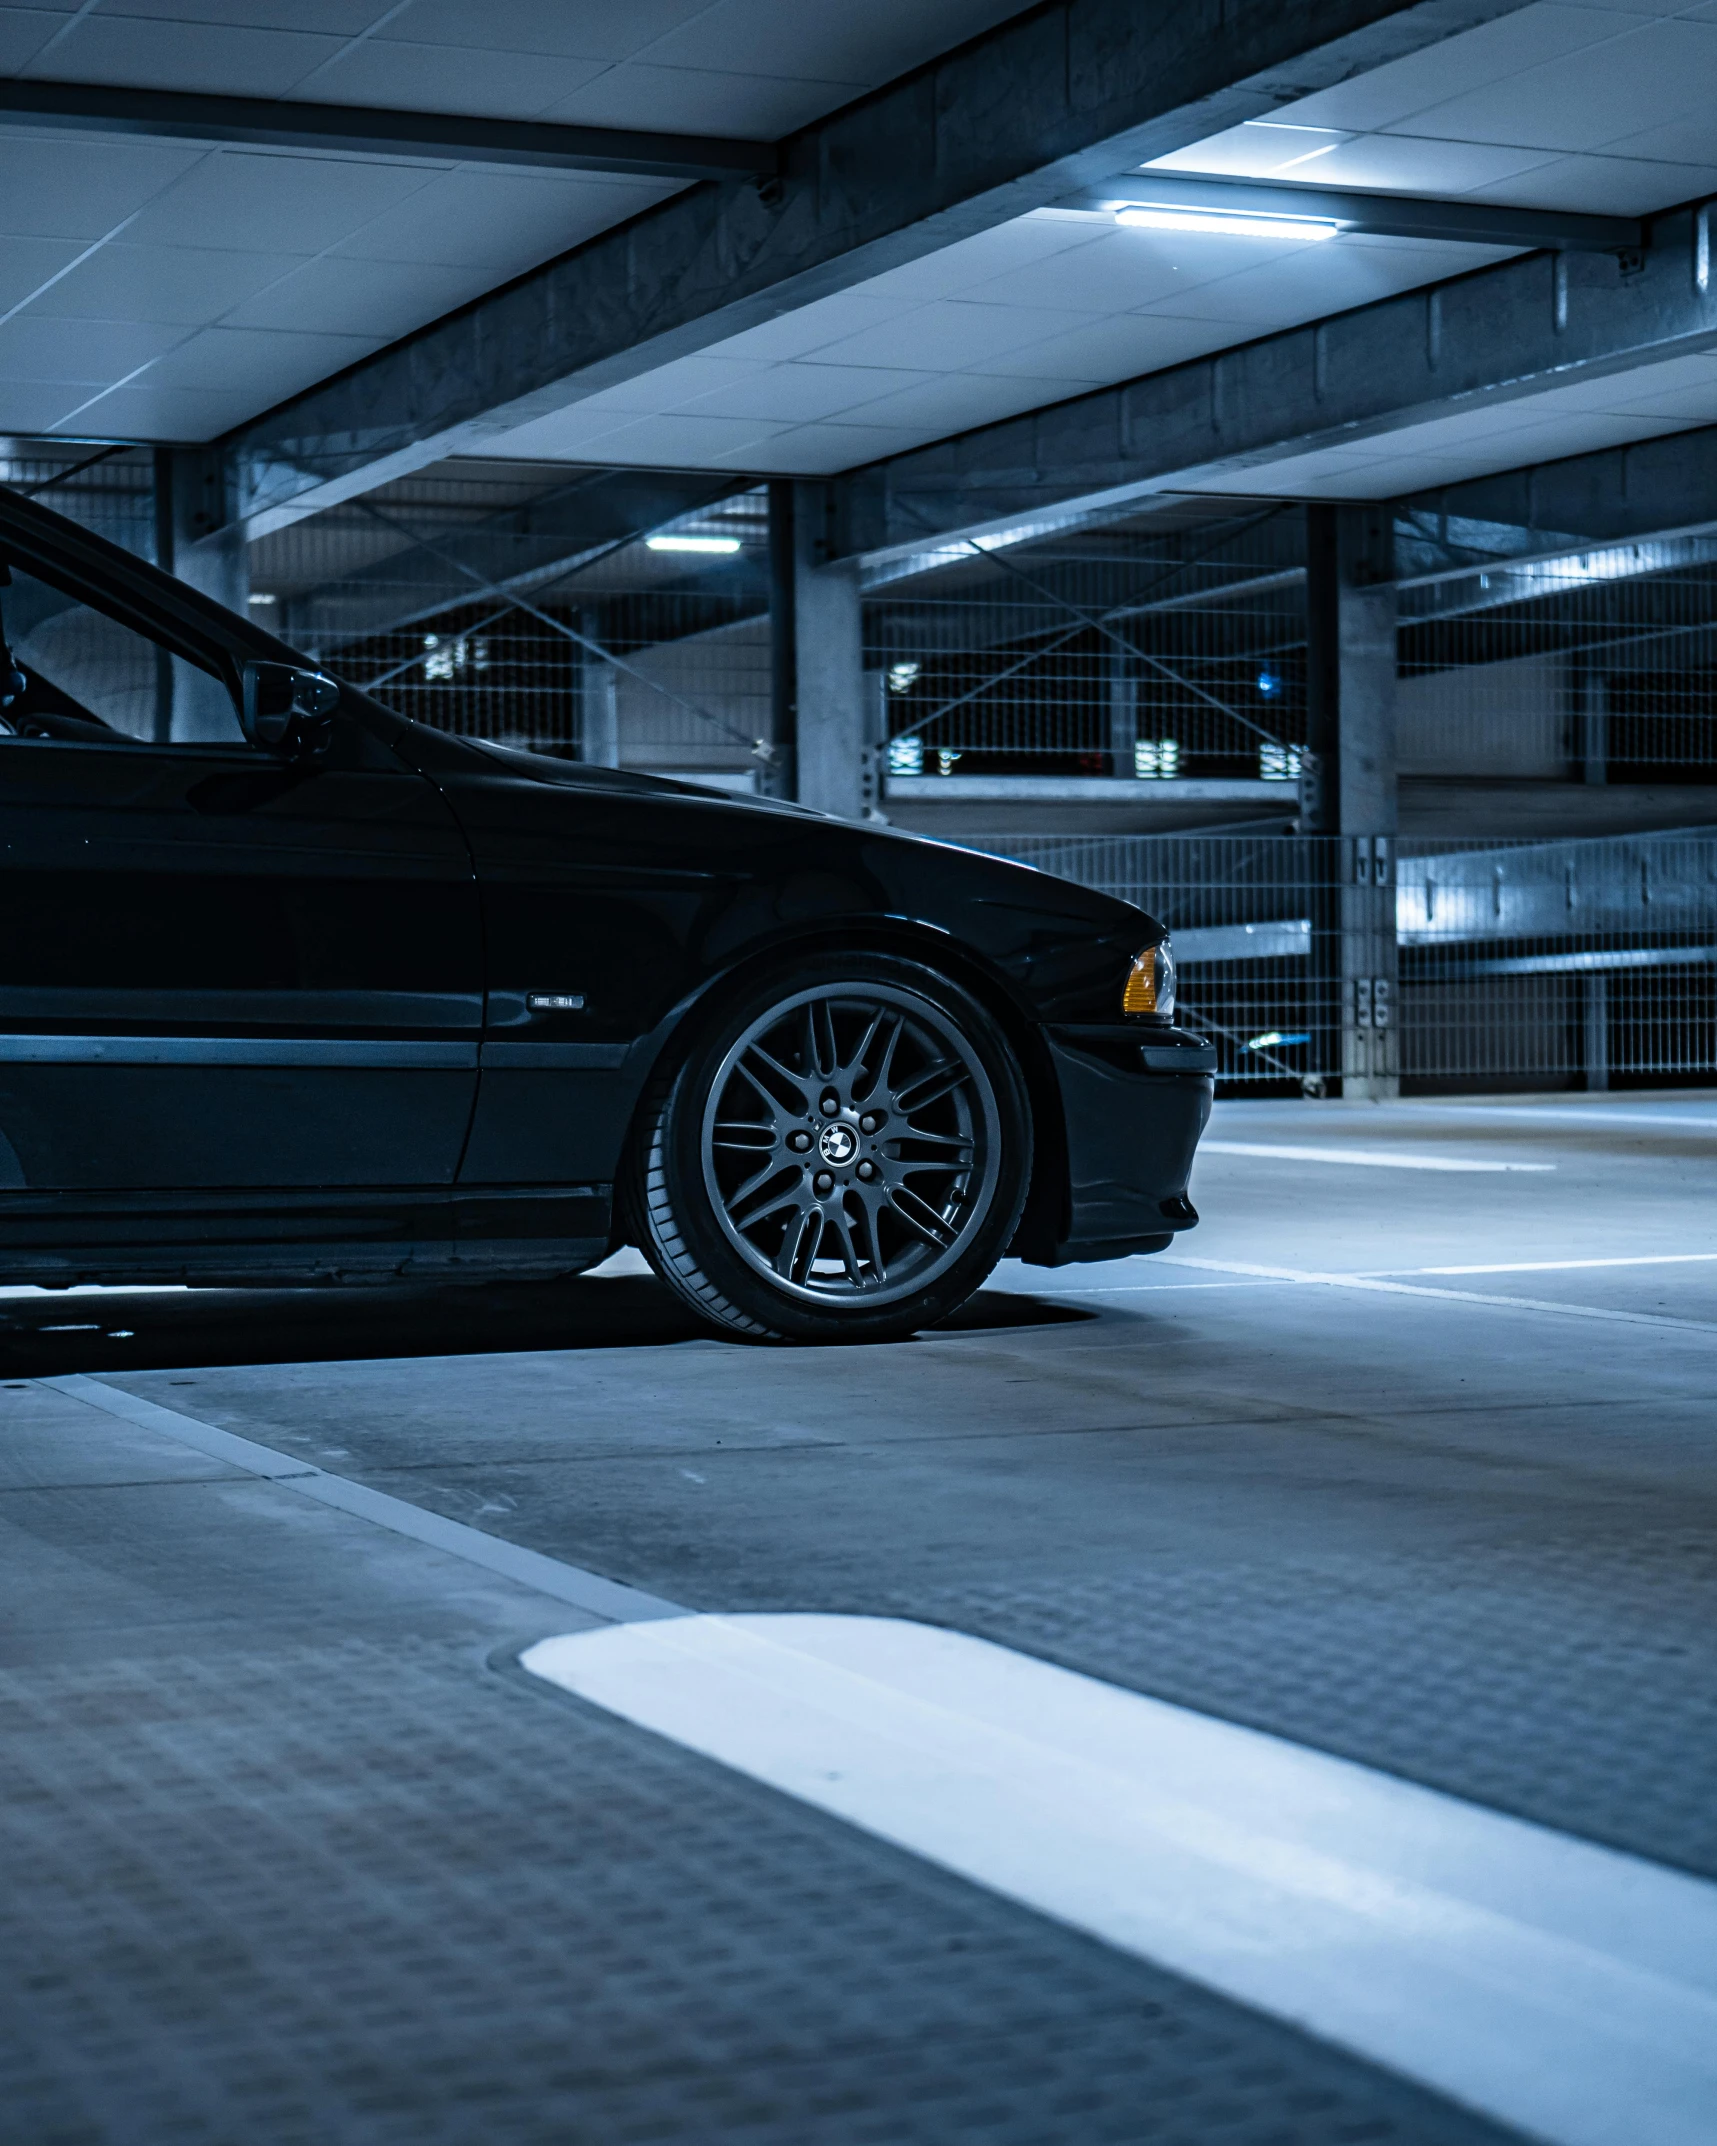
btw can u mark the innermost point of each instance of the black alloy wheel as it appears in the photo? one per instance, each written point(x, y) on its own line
point(843, 1155)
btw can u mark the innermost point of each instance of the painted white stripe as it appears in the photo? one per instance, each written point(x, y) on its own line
point(1603, 1314)
point(1567, 1266)
point(98, 1289)
point(1365, 1158)
point(1528, 1114)
point(1561, 1987)
point(548, 1575)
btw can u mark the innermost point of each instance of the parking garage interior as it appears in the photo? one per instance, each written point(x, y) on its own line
point(1259, 464)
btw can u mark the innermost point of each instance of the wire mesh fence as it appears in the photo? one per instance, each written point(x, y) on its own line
point(1517, 964)
point(485, 599)
point(1598, 667)
point(108, 489)
point(625, 618)
point(1140, 654)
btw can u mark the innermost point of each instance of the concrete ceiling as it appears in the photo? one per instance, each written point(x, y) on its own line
point(1031, 313)
point(1604, 109)
point(1600, 109)
point(167, 290)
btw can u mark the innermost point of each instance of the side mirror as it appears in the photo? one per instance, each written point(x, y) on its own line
point(286, 710)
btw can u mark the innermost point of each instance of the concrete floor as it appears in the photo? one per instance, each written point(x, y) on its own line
point(295, 1852)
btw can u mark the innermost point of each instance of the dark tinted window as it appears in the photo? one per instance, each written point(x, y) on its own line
point(69, 671)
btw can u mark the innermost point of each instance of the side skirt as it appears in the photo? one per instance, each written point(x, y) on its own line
point(239, 1239)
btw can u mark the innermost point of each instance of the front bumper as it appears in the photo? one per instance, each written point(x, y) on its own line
point(1134, 1101)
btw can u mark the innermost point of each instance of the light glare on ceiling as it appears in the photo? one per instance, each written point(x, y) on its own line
point(717, 547)
point(1236, 224)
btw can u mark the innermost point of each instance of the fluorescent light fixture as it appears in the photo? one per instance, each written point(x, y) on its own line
point(715, 547)
point(1141, 216)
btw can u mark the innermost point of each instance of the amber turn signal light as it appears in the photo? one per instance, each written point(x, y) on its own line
point(1150, 983)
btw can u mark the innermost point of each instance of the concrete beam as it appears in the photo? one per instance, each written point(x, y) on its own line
point(1644, 489)
point(1053, 101)
point(1495, 336)
point(358, 130)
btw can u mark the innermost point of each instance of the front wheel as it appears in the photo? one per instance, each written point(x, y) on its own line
point(842, 1155)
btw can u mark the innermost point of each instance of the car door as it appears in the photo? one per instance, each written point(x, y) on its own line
point(218, 968)
point(601, 905)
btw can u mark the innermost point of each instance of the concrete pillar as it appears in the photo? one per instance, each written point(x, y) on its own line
point(780, 776)
point(823, 695)
point(1123, 713)
point(1597, 1012)
point(599, 712)
point(1592, 724)
point(1350, 790)
point(199, 540)
point(874, 769)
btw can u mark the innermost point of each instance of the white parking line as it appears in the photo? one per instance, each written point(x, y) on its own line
point(1559, 1987)
point(1566, 1266)
point(1529, 1113)
point(1365, 1158)
point(1603, 1314)
point(98, 1289)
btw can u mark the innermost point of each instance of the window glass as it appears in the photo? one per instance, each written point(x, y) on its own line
point(69, 671)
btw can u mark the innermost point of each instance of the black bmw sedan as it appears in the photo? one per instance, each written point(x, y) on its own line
point(293, 990)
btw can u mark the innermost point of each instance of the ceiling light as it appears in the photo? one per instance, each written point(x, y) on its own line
point(1141, 216)
point(716, 547)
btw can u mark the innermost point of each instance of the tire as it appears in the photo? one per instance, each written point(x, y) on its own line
point(841, 1154)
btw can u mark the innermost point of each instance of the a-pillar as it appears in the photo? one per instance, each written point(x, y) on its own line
point(200, 540)
point(824, 701)
point(1350, 788)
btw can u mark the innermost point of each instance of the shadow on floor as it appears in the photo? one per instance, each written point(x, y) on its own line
point(45, 1336)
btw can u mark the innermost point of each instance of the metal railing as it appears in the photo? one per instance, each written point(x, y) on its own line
point(465, 598)
point(1599, 666)
point(1118, 653)
point(1517, 964)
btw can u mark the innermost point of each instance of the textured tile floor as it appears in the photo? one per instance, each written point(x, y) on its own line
point(290, 1857)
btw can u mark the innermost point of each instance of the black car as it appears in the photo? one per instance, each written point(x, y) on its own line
point(295, 990)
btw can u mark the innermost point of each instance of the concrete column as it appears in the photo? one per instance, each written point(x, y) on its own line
point(199, 540)
point(828, 688)
point(1597, 1012)
point(1123, 713)
point(1350, 789)
point(780, 775)
point(599, 713)
point(1592, 720)
point(874, 769)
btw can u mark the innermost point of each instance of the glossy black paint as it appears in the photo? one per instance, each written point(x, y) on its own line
point(200, 894)
point(271, 1019)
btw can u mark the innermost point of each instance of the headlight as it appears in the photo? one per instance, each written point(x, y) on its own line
point(1150, 983)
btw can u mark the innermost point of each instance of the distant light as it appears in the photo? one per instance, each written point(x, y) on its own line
point(1156, 759)
point(902, 677)
point(1269, 684)
point(1140, 216)
point(1265, 1043)
point(715, 547)
point(262, 599)
point(1279, 763)
point(906, 756)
